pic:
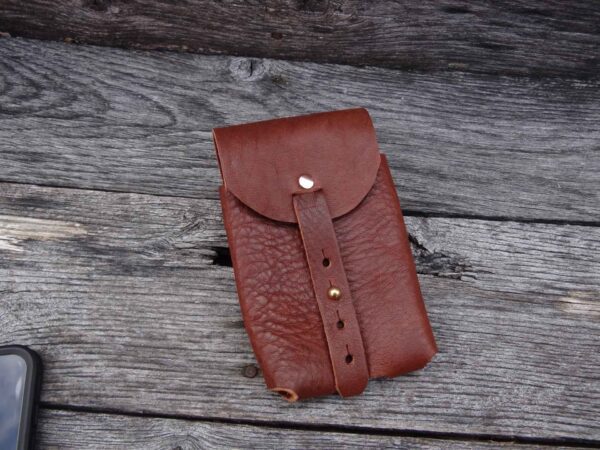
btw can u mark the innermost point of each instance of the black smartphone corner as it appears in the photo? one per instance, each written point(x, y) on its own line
point(20, 381)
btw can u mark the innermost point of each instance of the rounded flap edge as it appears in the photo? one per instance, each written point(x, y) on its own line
point(265, 163)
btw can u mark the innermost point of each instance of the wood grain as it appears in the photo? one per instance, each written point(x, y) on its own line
point(131, 313)
point(75, 430)
point(458, 144)
point(535, 38)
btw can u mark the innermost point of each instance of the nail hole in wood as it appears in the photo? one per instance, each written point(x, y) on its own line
point(326, 262)
point(349, 358)
point(340, 324)
point(250, 371)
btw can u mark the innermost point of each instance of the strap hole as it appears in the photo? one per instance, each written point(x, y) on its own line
point(349, 358)
point(326, 262)
point(340, 324)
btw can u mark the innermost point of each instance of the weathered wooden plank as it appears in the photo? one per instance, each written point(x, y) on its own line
point(120, 295)
point(541, 38)
point(76, 430)
point(457, 144)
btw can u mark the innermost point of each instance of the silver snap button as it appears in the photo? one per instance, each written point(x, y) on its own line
point(306, 182)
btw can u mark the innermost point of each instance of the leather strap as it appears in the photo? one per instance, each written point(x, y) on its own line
point(342, 331)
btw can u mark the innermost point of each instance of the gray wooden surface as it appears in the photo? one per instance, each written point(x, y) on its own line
point(114, 263)
point(516, 37)
point(121, 293)
point(140, 122)
point(62, 430)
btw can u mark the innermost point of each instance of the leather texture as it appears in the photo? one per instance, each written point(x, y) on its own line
point(261, 162)
point(342, 331)
point(291, 324)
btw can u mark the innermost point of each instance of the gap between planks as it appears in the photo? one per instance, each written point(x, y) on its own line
point(406, 212)
point(329, 429)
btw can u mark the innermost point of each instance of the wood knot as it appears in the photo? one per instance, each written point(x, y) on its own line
point(247, 69)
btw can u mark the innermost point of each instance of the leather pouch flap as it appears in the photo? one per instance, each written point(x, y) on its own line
point(261, 162)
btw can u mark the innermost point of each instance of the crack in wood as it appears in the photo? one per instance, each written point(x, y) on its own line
point(222, 256)
point(437, 263)
point(64, 417)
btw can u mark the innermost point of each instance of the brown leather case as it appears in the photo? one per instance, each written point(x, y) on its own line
point(325, 276)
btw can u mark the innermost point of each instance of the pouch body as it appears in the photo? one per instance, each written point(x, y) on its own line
point(324, 272)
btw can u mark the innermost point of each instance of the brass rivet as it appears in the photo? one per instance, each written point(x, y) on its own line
point(334, 293)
